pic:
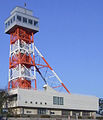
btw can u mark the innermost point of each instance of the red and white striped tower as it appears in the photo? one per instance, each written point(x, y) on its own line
point(21, 60)
point(21, 25)
point(25, 59)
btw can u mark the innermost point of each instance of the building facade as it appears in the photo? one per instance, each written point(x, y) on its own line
point(51, 102)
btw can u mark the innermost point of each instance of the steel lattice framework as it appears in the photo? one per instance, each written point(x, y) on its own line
point(25, 59)
point(21, 60)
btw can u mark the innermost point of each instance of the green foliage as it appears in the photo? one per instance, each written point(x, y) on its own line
point(3, 99)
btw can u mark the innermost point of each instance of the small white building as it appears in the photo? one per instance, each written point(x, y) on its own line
point(51, 102)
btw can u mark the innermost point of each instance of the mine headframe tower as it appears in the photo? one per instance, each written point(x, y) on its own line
point(23, 58)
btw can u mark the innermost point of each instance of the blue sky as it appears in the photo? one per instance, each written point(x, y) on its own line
point(70, 38)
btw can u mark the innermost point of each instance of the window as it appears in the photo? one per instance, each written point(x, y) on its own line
point(13, 97)
point(41, 103)
point(45, 103)
point(8, 23)
point(52, 113)
point(42, 111)
point(86, 113)
point(25, 101)
point(24, 20)
point(65, 112)
point(30, 21)
point(31, 102)
point(14, 18)
point(55, 100)
point(18, 17)
point(61, 100)
point(35, 23)
point(28, 112)
point(58, 100)
point(36, 103)
point(11, 20)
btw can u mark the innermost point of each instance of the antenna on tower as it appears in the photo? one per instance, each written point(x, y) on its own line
point(25, 7)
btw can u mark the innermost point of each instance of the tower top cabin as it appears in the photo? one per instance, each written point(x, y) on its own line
point(21, 17)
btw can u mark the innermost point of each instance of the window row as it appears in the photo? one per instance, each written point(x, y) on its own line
point(21, 19)
point(58, 100)
point(26, 20)
point(36, 102)
point(10, 22)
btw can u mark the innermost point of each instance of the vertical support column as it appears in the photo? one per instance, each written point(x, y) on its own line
point(71, 113)
point(10, 45)
point(81, 114)
point(94, 115)
point(19, 58)
point(9, 83)
point(90, 114)
point(34, 60)
point(9, 74)
point(17, 33)
point(19, 70)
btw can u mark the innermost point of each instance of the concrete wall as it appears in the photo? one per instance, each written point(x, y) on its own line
point(44, 99)
point(22, 10)
point(30, 111)
point(56, 112)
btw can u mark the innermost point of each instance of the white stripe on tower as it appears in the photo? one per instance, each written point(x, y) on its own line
point(38, 51)
point(48, 64)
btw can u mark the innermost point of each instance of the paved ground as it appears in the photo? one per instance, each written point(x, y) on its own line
point(46, 119)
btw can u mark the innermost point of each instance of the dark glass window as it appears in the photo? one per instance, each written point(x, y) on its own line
point(61, 100)
point(25, 101)
point(11, 21)
point(8, 23)
point(18, 17)
point(28, 112)
point(58, 100)
point(31, 102)
point(35, 23)
point(65, 112)
point(14, 18)
point(41, 111)
point(30, 21)
point(36, 103)
point(55, 100)
point(13, 97)
point(52, 113)
point(24, 20)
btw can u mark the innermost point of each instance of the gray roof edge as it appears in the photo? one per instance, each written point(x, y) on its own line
point(20, 7)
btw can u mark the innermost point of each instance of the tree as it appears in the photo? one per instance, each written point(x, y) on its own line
point(3, 99)
point(101, 106)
